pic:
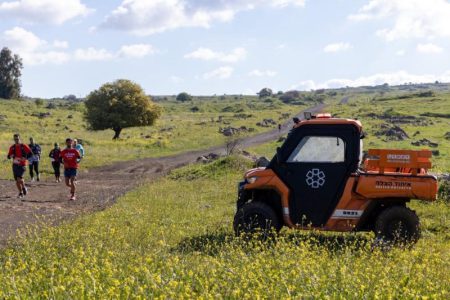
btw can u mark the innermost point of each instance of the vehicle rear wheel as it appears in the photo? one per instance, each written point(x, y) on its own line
point(398, 225)
point(256, 218)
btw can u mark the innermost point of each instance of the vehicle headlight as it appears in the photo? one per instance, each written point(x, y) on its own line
point(252, 179)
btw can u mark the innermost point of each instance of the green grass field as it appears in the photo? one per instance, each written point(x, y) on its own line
point(168, 240)
point(178, 130)
point(173, 238)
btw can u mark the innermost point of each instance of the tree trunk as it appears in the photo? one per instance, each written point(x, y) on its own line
point(117, 131)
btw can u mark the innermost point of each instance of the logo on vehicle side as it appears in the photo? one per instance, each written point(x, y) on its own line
point(315, 178)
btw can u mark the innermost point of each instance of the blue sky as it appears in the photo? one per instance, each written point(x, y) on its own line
point(234, 47)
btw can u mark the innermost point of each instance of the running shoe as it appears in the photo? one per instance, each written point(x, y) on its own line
point(25, 191)
point(72, 198)
point(20, 196)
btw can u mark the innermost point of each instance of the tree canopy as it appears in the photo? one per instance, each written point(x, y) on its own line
point(118, 105)
point(10, 72)
point(183, 97)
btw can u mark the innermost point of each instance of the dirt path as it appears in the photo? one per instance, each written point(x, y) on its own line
point(100, 187)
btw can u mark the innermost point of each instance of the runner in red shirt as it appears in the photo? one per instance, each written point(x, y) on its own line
point(19, 153)
point(69, 157)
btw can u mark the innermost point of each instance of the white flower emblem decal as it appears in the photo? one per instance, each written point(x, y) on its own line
point(315, 178)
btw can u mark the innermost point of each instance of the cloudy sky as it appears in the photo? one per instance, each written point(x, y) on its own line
point(208, 47)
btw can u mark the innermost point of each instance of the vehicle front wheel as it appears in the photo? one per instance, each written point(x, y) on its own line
point(256, 218)
point(398, 225)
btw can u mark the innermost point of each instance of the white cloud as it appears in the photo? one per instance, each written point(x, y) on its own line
point(411, 18)
point(126, 51)
point(36, 51)
point(22, 40)
point(48, 57)
point(337, 47)
point(395, 78)
point(235, 55)
point(262, 73)
point(176, 79)
point(136, 50)
point(144, 17)
point(60, 44)
point(305, 85)
point(93, 54)
point(43, 11)
point(32, 49)
point(220, 73)
point(284, 3)
point(400, 52)
point(429, 48)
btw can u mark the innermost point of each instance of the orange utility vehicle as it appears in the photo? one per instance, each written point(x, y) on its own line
point(317, 181)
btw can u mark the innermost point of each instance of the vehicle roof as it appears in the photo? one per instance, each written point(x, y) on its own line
point(326, 119)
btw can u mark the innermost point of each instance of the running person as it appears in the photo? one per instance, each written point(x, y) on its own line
point(19, 153)
point(56, 163)
point(34, 159)
point(78, 147)
point(69, 157)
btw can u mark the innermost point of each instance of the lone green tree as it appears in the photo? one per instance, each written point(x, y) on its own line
point(183, 97)
point(10, 72)
point(118, 105)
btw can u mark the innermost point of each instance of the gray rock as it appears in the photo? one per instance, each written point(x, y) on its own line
point(262, 162)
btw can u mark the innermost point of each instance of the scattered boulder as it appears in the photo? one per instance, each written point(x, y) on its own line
point(3, 117)
point(416, 133)
point(393, 133)
point(447, 135)
point(242, 116)
point(248, 155)
point(400, 119)
point(165, 129)
point(435, 152)
point(70, 117)
point(266, 123)
point(425, 142)
point(213, 156)
point(230, 131)
point(262, 162)
point(41, 115)
point(202, 159)
point(208, 158)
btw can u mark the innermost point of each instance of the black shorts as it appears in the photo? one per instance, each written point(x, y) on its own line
point(70, 173)
point(18, 171)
